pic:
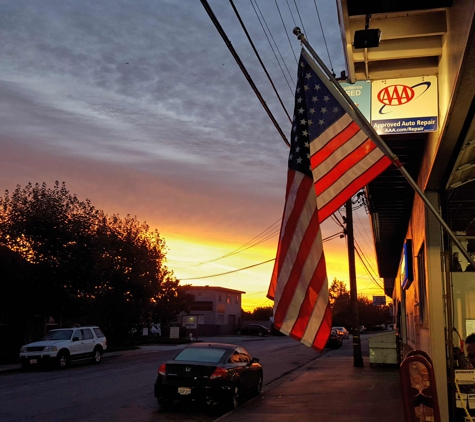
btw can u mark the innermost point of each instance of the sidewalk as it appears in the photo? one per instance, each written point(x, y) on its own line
point(329, 389)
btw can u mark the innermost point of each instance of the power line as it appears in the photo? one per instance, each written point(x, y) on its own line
point(242, 67)
point(291, 14)
point(250, 266)
point(366, 268)
point(228, 272)
point(324, 39)
point(256, 240)
point(259, 58)
point(285, 30)
point(367, 260)
point(276, 46)
point(300, 17)
point(367, 235)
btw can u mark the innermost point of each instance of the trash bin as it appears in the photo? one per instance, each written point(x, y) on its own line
point(382, 349)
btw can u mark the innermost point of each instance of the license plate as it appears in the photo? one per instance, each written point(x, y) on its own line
point(184, 391)
point(33, 361)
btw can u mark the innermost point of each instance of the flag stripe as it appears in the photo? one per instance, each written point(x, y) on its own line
point(311, 296)
point(339, 140)
point(294, 291)
point(324, 330)
point(345, 164)
point(295, 232)
point(337, 201)
point(350, 177)
point(317, 317)
point(293, 225)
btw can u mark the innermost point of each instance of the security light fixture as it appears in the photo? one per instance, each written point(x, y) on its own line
point(367, 38)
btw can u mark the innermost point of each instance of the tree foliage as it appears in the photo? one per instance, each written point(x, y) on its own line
point(368, 314)
point(86, 265)
point(261, 313)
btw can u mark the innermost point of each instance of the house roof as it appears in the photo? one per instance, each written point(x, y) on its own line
point(217, 288)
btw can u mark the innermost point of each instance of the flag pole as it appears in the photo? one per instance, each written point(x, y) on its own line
point(337, 90)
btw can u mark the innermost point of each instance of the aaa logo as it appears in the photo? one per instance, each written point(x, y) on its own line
point(396, 95)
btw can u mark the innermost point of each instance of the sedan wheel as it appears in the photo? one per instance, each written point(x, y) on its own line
point(258, 388)
point(238, 331)
point(260, 333)
point(234, 401)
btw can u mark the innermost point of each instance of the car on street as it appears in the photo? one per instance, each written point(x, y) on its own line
point(63, 345)
point(254, 329)
point(342, 331)
point(363, 329)
point(213, 373)
point(335, 341)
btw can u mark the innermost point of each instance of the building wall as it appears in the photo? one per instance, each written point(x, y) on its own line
point(225, 313)
point(428, 334)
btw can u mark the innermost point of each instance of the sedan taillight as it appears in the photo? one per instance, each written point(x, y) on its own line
point(162, 368)
point(218, 373)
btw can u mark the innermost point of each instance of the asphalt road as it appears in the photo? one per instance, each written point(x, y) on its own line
point(121, 387)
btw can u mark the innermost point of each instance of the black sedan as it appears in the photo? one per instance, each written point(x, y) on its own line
point(254, 329)
point(335, 341)
point(213, 373)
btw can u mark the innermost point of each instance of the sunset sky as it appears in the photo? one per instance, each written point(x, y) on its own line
point(140, 107)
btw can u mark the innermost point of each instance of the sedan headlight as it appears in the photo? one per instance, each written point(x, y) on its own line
point(50, 349)
point(23, 349)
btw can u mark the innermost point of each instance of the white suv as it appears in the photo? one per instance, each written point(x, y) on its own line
point(65, 345)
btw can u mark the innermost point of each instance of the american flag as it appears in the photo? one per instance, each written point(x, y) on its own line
point(330, 159)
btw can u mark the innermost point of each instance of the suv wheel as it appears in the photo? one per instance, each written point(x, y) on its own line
point(63, 360)
point(97, 355)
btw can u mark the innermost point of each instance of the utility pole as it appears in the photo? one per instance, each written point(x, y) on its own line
point(357, 356)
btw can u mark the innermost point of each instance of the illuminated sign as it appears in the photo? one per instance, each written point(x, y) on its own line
point(360, 93)
point(407, 105)
point(407, 273)
point(190, 321)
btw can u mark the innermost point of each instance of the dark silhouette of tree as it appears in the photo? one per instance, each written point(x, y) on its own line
point(368, 314)
point(262, 313)
point(88, 266)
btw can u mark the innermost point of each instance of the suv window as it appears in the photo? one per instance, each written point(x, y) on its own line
point(58, 335)
point(87, 334)
point(98, 332)
point(77, 334)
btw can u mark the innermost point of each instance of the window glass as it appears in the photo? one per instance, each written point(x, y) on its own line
point(235, 357)
point(86, 334)
point(208, 354)
point(58, 335)
point(245, 357)
point(78, 334)
point(98, 332)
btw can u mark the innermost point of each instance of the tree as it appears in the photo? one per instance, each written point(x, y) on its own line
point(368, 314)
point(336, 289)
point(339, 297)
point(88, 266)
point(262, 313)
